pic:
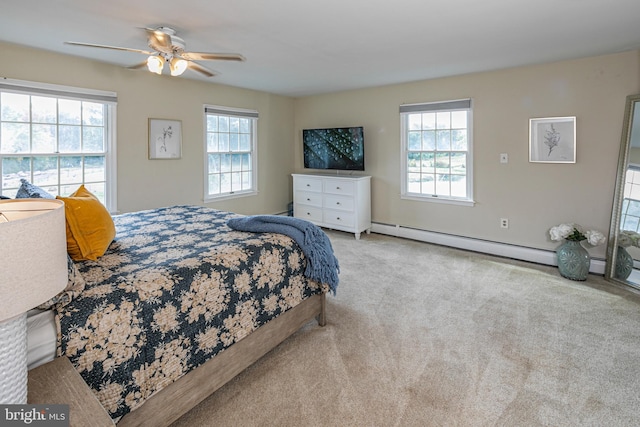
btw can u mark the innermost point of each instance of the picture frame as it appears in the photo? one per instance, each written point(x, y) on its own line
point(552, 140)
point(165, 139)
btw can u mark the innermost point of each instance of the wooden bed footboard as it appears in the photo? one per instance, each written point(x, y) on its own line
point(178, 398)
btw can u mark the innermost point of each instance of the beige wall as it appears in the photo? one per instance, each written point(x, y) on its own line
point(144, 183)
point(533, 196)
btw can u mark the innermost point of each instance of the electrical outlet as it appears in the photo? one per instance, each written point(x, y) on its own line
point(504, 158)
point(504, 222)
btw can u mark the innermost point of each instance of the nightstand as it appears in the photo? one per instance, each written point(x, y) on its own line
point(58, 382)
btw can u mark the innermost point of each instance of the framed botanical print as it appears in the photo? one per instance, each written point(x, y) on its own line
point(165, 139)
point(552, 140)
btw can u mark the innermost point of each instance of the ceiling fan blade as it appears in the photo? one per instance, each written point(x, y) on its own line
point(126, 49)
point(159, 41)
point(138, 66)
point(199, 68)
point(204, 56)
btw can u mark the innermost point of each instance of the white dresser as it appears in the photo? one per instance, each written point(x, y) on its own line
point(337, 202)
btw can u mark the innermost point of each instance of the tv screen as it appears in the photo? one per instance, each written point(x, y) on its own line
point(334, 148)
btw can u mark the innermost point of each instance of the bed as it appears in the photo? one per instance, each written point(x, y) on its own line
point(177, 306)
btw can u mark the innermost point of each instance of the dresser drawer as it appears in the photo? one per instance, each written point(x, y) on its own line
point(310, 213)
point(309, 198)
point(344, 219)
point(343, 203)
point(339, 186)
point(333, 201)
point(304, 183)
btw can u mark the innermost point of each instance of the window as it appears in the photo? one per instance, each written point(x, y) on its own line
point(57, 138)
point(630, 219)
point(230, 148)
point(436, 151)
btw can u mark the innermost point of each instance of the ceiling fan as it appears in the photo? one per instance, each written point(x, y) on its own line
point(168, 47)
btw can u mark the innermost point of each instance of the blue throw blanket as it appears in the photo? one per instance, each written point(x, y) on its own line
point(322, 265)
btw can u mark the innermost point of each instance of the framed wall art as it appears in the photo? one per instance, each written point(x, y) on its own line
point(165, 139)
point(552, 140)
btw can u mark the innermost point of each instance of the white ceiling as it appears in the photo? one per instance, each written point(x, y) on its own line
point(303, 47)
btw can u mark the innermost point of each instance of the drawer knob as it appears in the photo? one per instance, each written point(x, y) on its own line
point(308, 185)
point(308, 199)
point(337, 188)
point(308, 213)
point(338, 203)
point(338, 218)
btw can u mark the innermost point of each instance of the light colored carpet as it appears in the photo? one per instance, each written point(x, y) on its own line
point(423, 335)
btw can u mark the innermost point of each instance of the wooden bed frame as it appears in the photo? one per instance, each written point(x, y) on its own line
point(178, 398)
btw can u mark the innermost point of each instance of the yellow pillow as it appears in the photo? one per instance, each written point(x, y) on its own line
point(90, 228)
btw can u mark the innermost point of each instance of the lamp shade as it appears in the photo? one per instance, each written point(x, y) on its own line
point(177, 66)
point(33, 254)
point(155, 64)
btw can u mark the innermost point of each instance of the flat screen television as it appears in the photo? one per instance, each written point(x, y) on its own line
point(334, 148)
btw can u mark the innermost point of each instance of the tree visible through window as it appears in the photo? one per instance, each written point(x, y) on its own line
point(57, 143)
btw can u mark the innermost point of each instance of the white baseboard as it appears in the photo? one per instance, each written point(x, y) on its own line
point(522, 253)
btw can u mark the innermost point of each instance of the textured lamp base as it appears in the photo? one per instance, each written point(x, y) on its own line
point(13, 361)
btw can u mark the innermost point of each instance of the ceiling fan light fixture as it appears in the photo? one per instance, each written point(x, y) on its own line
point(155, 64)
point(166, 46)
point(177, 66)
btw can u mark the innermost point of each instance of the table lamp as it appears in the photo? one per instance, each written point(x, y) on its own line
point(33, 269)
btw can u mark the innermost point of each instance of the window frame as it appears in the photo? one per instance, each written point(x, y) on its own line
point(440, 106)
point(631, 189)
point(253, 115)
point(108, 99)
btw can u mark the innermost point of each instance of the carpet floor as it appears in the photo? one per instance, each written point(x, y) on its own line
point(425, 335)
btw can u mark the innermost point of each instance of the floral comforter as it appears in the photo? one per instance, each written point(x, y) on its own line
point(175, 288)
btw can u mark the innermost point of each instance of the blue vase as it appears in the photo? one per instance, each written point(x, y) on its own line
point(573, 260)
point(624, 264)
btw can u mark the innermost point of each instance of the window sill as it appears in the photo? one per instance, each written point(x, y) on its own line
point(434, 199)
point(229, 196)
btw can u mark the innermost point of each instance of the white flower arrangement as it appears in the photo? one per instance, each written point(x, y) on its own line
point(628, 238)
point(576, 233)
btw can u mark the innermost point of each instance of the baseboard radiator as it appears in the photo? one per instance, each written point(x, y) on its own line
point(522, 253)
